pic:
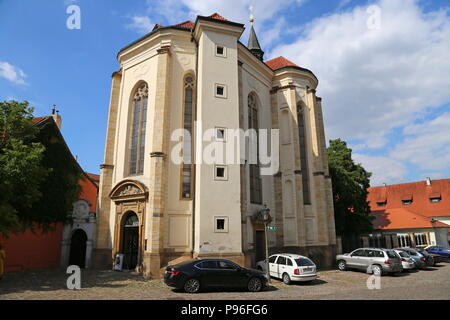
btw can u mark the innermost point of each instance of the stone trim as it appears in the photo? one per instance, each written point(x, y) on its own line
point(164, 49)
point(277, 88)
point(157, 154)
point(134, 191)
point(318, 173)
point(106, 166)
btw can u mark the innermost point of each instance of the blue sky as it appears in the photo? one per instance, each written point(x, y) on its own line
point(386, 91)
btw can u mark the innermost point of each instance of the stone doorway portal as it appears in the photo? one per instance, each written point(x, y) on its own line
point(130, 238)
point(78, 249)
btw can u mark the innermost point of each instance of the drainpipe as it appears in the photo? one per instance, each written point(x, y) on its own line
point(195, 142)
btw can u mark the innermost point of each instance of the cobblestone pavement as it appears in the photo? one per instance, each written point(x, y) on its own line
point(50, 284)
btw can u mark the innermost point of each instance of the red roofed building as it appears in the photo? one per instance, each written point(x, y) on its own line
point(411, 214)
point(35, 250)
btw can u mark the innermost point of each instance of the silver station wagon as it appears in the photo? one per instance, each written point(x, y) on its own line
point(372, 260)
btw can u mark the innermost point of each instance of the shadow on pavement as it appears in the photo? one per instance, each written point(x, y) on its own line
point(54, 279)
point(429, 269)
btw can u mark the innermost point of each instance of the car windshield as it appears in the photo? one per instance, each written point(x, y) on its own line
point(304, 262)
point(424, 253)
point(413, 253)
point(391, 254)
point(403, 254)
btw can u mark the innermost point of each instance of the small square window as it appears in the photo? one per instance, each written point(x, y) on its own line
point(381, 204)
point(221, 134)
point(220, 173)
point(406, 202)
point(221, 224)
point(221, 51)
point(220, 91)
point(435, 200)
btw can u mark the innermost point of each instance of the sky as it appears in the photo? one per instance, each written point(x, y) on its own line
point(383, 68)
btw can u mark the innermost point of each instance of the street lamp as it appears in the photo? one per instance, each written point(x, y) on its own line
point(263, 215)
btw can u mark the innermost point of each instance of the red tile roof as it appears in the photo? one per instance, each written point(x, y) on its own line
point(402, 219)
point(395, 215)
point(217, 16)
point(280, 62)
point(39, 119)
point(188, 24)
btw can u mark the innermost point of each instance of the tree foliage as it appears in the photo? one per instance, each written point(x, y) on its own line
point(350, 183)
point(38, 176)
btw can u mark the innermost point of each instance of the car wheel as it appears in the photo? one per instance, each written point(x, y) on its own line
point(286, 279)
point(376, 270)
point(192, 286)
point(254, 285)
point(342, 265)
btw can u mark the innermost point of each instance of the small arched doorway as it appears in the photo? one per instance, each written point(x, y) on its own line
point(130, 240)
point(78, 249)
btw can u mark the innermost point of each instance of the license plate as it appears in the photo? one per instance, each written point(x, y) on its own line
point(308, 269)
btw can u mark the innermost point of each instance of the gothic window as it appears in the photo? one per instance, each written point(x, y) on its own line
point(139, 122)
point(303, 155)
point(255, 173)
point(187, 168)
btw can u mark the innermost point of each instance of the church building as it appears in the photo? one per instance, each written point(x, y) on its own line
point(198, 77)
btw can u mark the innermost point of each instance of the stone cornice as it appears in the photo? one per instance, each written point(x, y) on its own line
point(277, 88)
point(106, 166)
point(164, 49)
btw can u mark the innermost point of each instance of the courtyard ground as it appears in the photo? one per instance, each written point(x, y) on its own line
point(50, 284)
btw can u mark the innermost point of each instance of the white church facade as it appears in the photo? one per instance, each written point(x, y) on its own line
point(198, 77)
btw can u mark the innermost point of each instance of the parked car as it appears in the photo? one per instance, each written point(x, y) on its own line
point(290, 267)
point(442, 251)
point(407, 261)
point(431, 258)
point(195, 275)
point(419, 259)
point(371, 260)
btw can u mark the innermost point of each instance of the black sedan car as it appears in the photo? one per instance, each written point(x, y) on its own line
point(431, 259)
point(194, 275)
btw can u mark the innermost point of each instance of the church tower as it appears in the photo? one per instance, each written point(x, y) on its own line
point(169, 188)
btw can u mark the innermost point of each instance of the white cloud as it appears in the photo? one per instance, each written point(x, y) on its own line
point(141, 24)
point(427, 145)
point(375, 80)
point(176, 11)
point(12, 73)
point(384, 169)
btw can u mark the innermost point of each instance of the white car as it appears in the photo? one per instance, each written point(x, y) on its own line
point(407, 261)
point(290, 267)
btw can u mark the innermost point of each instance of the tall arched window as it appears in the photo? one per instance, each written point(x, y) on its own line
point(188, 108)
point(255, 174)
point(139, 122)
point(303, 154)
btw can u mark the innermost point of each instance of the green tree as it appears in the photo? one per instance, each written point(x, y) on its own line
point(39, 178)
point(350, 183)
point(21, 170)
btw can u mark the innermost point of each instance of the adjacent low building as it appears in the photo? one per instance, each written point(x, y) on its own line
point(410, 214)
point(64, 244)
